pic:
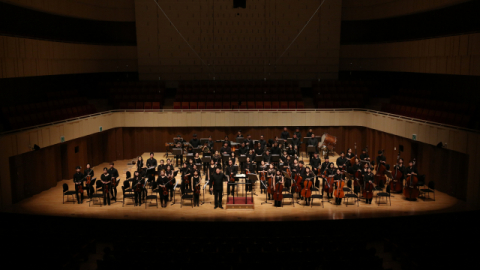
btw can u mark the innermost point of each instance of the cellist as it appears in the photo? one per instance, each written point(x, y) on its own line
point(278, 179)
point(330, 171)
point(411, 170)
point(368, 178)
point(339, 177)
point(400, 167)
point(271, 173)
point(316, 162)
point(309, 176)
point(381, 159)
point(262, 170)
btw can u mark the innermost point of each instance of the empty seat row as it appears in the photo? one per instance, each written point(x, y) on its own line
point(23, 109)
point(218, 105)
point(464, 108)
point(439, 116)
point(238, 97)
point(140, 105)
point(330, 104)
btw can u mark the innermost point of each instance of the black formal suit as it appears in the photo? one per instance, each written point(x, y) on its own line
point(89, 188)
point(113, 173)
point(78, 181)
point(230, 170)
point(217, 186)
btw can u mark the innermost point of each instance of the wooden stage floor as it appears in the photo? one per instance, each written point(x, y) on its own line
point(49, 202)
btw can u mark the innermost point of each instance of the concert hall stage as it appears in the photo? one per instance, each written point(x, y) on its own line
point(49, 202)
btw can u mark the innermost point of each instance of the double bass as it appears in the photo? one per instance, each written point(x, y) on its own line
point(278, 193)
point(270, 185)
point(380, 177)
point(367, 190)
point(396, 185)
point(411, 191)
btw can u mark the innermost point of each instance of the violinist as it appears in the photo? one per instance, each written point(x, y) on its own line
point(89, 172)
point(270, 174)
point(161, 167)
point(195, 142)
point(290, 150)
point(217, 186)
point(230, 170)
point(197, 159)
point(113, 174)
point(285, 134)
point(339, 177)
point(364, 156)
point(186, 173)
point(217, 159)
point(283, 158)
point(196, 184)
point(140, 182)
point(303, 173)
point(78, 181)
point(262, 169)
point(278, 179)
point(190, 164)
point(342, 161)
point(179, 158)
point(368, 177)
point(315, 163)
point(195, 169)
point(106, 180)
point(309, 176)
point(211, 170)
point(250, 166)
point(330, 171)
point(275, 150)
point(162, 181)
point(381, 159)
point(169, 174)
point(139, 164)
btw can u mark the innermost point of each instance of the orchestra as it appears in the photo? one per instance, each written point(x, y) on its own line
point(290, 174)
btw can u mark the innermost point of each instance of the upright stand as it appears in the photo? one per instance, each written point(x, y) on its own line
point(266, 198)
point(275, 159)
point(177, 152)
point(253, 179)
point(225, 159)
point(174, 189)
point(310, 149)
point(206, 161)
point(241, 160)
point(204, 202)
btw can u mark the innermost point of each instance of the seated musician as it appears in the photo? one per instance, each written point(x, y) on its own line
point(365, 157)
point(217, 186)
point(89, 172)
point(410, 170)
point(303, 173)
point(290, 150)
point(196, 184)
point(169, 174)
point(210, 143)
point(197, 159)
point(339, 176)
point(230, 170)
point(138, 185)
point(251, 155)
point(285, 134)
point(315, 163)
point(382, 159)
point(262, 169)
point(283, 158)
point(139, 164)
point(266, 157)
point(309, 176)
point(233, 158)
point(106, 180)
point(217, 158)
point(227, 141)
point(162, 181)
point(169, 163)
point(78, 181)
point(206, 150)
point(330, 171)
point(278, 179)
point(342, 161)
point(368, 177)
point(271, 173)
point(195, 142)
point(113, 174)
point(249, 142)
point(295, 151)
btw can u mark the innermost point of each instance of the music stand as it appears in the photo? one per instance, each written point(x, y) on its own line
point(237, 152)
point(266, 198)
point(239, 140)
point(175, 140)
point(258, 158)
point(204, 186)
point(242, 159)
point(311, 149)
point(253, 179)
point(290, 141)
point(203, 141)
point(305, 141)
point(275, 159)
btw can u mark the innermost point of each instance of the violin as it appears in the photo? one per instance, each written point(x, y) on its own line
point(114, 182)
point(140, 185)
point(278, 194)
point(80, 188)
point(306, 191)
point(186, 180)
point(289, 172)
point(232, 179)
point(339, 190)
point(89, 178)
point(197, 188)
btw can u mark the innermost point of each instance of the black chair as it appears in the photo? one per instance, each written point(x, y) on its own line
point(384, 194)
point(288, 195)
point(126, 187)
point(154, 196)
point(67, 193)
point(92, 185)
point(127, 195)
point(349, 194)
point(186, 196)
point(317, 196)
point(98, 196)
point(98, 186)
point(430, 189)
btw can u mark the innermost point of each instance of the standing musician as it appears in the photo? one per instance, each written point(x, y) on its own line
point(138, 185)
point(309, 176)
point(243, 150)
point(169, 174)
point(342, 161)
point(262, 142)
point(78, 181)
point(275, 150)
point(196, 183)
point(285, 134)
point(365, 157)
point(162, 181)
point(249, 142)
point(217, 187)
point(190, 164)
point(161, 167)
point(296, 140)
point(315, 163)
point(382, 159)
point(271, 173)
point(401, 168)
point(217, 158)
point(151, 163)
point(89, 172)
point(312, 141)
point(297, 133)
point(239, 134)
point(230, 170)
point(106, 180)
point(139, 164)
point(210, 143)
point(262, 169)
point(195, 142)
point(186, 173)
point(179, 158)
point(283, 158)
point(197, 159)
point(368, 177)
point(250, 166)
point(251, 155)
point(349, 154)
point(227, 141)
point(211, 170)
point(310, 132)
point(303, 173)
point(278, 179)
point(330, 171)
point(338, 178)
point(113, 174)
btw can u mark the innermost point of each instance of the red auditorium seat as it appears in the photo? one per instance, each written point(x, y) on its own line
point(267, 104)
point(292, 104)
point(193, 105)
point(337, 104)
point(131, 105)
point(201, 105)
point(139, 105)
point(321, 104)
point(156, 105)
point(210, 105)
point(250, 104)
point(283, 104)
point(275, 105)
point(259, 105)
point(147, 105)
point(177, 105)
point(185, 105)
point(226, 105)
point(218, 105)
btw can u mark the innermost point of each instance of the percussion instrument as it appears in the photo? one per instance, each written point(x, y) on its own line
point(328, 140)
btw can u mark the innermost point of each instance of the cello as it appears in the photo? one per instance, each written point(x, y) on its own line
point(270, 185)
point(368, 190)
point(352, 160)
point(358, 179)
point(298, 183)
point(306, 191)
point(339, 189)
point(396, 185)
point(278, 193)
point(411, 191)
point(380, 177)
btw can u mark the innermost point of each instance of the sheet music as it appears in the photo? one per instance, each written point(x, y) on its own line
point(240, 175)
